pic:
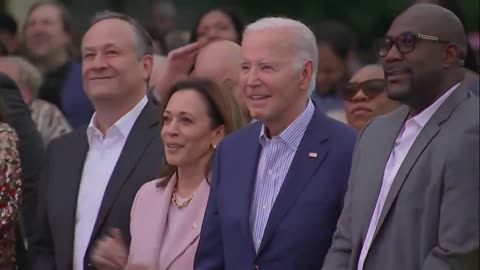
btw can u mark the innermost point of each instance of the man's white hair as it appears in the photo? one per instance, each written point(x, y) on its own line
point(303, 39)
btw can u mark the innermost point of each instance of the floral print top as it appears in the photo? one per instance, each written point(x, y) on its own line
point(10, 187)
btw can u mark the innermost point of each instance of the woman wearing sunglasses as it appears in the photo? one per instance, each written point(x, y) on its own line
point(365, 96)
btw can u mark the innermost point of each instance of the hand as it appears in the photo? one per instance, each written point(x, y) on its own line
point(181, 60)
point(177, 66)
point(110, 252)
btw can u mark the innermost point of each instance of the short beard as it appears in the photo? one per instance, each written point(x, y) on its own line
point(405, 96)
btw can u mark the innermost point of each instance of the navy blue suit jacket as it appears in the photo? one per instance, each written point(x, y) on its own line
point(304, 216)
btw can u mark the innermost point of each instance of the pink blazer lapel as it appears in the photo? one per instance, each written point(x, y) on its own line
point(191, 228)
point(148, 220)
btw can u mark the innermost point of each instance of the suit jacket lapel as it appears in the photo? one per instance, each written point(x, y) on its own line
point(141, 135)
point(421, 142)
point(300, 172)
point(190, 228)
point(73, 174)
point(378, 160)
point(150, 232)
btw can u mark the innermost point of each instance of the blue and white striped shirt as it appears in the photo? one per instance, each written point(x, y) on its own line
point(275, 159)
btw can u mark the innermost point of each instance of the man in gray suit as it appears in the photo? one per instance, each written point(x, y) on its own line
point(413, 195)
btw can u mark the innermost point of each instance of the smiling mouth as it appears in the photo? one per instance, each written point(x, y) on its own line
point(258, 97)
point(174, 146)
point(100, 78)
point(393, 77)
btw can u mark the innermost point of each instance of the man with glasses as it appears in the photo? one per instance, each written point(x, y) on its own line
point(413, 194)
point(365, 96)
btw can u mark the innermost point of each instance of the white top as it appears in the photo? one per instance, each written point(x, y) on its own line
point(403, 143)
point(100, 161)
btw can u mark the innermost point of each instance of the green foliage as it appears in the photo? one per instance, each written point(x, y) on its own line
point(367, 18)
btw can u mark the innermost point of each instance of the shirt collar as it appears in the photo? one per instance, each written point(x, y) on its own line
point(123, 125)
point(423, 117)
point(293, 134)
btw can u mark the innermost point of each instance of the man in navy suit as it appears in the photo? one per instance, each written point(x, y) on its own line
point(278, 184)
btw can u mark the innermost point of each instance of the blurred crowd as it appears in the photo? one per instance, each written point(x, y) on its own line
point(112, 151)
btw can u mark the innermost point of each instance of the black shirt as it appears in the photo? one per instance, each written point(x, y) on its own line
point(51, 89)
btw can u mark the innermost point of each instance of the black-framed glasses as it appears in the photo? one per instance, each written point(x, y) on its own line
point(404, 42)
point(371, 88)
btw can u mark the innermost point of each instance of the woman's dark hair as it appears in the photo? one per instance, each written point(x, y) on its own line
point(3, 49)
point(8, 23)
point(159, 39)
point(219, 112)
point(3, 111)
point(237, 22)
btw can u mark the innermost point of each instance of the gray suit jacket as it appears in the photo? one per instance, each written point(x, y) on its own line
point(430, 219)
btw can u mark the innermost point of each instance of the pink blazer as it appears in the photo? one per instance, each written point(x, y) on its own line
point(147, 226)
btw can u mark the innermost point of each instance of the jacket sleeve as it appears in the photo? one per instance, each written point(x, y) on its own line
point(210, 254)
point(41, 252)
point(340, 253)
point(458, 235)
point(30, 146)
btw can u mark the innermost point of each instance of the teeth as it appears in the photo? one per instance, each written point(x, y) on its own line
point(173, 145)
point(258, 97)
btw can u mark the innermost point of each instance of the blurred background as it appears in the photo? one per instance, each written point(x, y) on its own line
point(368, 19)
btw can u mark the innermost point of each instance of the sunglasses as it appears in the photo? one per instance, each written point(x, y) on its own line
point(405, 42)
point(371, 88)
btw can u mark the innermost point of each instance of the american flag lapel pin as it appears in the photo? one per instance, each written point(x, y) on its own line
point(312, 155)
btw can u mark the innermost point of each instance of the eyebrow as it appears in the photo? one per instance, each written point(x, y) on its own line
point(260, 62)
point(104, 46)
point(180, 113)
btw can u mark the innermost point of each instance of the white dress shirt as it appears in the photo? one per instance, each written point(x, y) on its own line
point(401, 147)
point(102, 156)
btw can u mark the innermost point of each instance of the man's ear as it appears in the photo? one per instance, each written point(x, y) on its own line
point(147, 62)
point(306, 74)
point(453, 56)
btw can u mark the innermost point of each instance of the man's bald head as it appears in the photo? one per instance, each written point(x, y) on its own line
point(434, 20)
point(421, 68)
point(219, 61)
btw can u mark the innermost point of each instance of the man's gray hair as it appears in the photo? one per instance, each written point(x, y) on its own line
point(28, 74)
point(143, 40)
point(303, 39)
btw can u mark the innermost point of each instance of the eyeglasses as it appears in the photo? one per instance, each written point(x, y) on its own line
point(405, 42)
point(371, 88)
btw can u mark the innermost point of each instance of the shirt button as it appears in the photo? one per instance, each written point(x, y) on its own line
point(264, 207)
point(270, 172)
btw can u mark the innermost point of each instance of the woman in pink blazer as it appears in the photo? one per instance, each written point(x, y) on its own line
point(167, 213)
